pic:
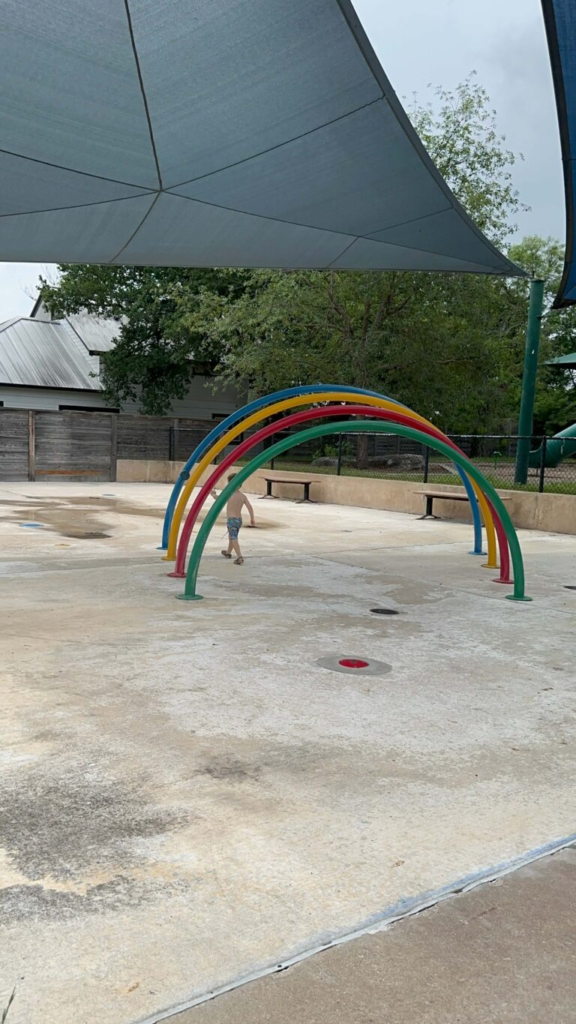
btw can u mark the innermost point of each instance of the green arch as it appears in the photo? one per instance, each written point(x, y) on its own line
point(346, 427)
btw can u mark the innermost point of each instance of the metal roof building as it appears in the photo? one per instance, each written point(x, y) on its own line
point(55, 364)
point(53, 354)
point(40, 355)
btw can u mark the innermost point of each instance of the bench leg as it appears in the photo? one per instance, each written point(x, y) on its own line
point(306, 499)
point(429, 513)
point(268, 491)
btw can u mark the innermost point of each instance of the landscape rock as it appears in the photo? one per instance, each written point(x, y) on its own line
point(409, 463)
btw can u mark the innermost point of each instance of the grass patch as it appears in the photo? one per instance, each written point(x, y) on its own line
point(450, 479)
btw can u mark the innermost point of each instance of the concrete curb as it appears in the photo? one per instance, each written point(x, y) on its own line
point(376, 923)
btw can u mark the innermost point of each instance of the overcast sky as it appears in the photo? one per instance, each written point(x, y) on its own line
point(438, 42)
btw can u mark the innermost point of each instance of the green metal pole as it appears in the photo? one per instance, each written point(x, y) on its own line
point(526, 420)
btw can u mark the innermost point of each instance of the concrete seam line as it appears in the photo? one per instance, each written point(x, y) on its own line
point(376, 923)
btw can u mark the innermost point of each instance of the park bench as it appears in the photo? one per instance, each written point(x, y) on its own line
point(271, 480)
point(432, 496)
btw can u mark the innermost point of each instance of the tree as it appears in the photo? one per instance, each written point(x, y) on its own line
point(460, 132)
point(369, 330)
point(154, 358)
point(555, 403)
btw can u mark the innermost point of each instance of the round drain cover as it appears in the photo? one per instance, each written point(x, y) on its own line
point(384, 611)
point(355, 666)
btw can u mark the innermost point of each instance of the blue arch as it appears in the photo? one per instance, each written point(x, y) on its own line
point(277, 396)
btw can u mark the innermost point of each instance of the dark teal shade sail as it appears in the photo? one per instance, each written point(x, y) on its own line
point(254, 133)
point(560, 20)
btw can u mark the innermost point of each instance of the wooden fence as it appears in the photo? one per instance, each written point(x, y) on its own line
point(38, 445)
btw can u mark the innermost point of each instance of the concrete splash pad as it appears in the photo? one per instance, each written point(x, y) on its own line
point(188, 797)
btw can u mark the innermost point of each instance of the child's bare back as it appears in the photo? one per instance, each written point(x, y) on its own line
point(236, 504)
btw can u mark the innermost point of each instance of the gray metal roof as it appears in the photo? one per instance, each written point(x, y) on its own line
point(255, 133)
point(36, 353)
point(97, 334)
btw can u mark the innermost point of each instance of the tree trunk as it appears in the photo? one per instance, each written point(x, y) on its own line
point(362, 461)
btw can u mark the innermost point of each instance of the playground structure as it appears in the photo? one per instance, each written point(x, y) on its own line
point(558, 448)
point(302, 395)
point(239, 422)
point(397, 420)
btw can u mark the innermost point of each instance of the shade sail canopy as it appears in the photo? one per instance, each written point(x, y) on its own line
point(255, 133)
point(560, 19)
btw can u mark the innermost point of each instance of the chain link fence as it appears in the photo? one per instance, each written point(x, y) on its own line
point(391, 457)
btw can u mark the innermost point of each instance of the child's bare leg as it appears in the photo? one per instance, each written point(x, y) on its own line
point(235, 547)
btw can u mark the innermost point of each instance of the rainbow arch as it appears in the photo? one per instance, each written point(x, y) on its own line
point(340, 427)
point(280, 401)
point(224, 425)
point(388, 414)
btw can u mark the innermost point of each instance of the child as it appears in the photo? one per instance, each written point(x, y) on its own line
point(234, 514)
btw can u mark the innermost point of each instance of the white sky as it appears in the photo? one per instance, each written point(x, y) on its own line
point(439, 42)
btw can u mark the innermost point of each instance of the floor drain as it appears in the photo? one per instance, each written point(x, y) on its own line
point(355, 666)
point(569, 588)
point(384, 611)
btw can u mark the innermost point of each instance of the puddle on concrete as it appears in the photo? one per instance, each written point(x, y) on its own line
point(117, 505)
point(57, 517)
point(87, 502)
point(74, 516)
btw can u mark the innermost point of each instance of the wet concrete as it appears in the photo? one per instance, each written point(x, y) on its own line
point(85, 517)
point(187, 796)
point(78, 517)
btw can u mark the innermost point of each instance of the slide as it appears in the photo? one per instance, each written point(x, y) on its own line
point(558, 448)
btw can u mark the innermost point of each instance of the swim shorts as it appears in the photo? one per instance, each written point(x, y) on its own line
point(234, 525)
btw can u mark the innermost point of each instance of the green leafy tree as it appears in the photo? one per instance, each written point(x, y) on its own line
point(460, 132)
point(434, 342)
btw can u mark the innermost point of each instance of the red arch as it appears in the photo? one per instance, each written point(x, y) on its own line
point(302, 417)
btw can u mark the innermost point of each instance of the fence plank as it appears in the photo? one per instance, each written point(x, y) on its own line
point(113, 448)
point(73, 444)
point(13, 444)
point(31, 445)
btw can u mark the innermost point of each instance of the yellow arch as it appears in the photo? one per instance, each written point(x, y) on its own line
point(290, 403)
